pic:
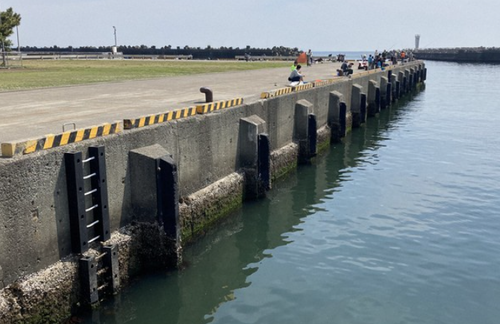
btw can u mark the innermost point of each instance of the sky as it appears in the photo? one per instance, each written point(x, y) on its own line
point(320, 25)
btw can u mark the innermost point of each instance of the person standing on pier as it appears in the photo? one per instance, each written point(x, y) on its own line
point(370, 62)
point(309, 57)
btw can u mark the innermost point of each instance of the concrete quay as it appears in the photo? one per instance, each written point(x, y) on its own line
point(79, 220)
point(33, 113)
point(461, 55)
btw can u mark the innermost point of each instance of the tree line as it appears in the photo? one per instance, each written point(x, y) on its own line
point(197, 52)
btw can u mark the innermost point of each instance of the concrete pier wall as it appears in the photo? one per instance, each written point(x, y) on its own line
point(207, 149)
point(465, 55)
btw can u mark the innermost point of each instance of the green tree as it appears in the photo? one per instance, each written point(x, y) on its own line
point(8, 20)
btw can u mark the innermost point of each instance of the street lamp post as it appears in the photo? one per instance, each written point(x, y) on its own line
point(3, 45)
point(18, 44)
point(115, 48)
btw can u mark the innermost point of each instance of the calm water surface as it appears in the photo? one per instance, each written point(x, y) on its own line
point(399, 224)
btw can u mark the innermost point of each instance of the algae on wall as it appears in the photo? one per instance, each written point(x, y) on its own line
point(202, 209)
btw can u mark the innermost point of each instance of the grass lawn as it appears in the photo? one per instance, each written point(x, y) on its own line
point(53, 73)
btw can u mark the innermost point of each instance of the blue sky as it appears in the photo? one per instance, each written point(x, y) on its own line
point(316, 24)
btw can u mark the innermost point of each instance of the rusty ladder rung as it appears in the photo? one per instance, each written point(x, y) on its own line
point(101, 255)
point(102, 271)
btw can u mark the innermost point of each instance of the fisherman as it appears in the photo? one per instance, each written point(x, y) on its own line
point(296, 76)
point(346, 68)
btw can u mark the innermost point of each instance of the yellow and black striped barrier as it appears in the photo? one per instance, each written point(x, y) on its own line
point(301, 87)
point(159, 118)
point(213, 106)
point(50, 141)
point(373, 71)
point(275, 93)
point(319, 83)
point(289, 89)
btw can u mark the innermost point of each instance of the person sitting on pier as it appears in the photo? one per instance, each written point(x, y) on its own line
point(346, 68)
point(296, 77)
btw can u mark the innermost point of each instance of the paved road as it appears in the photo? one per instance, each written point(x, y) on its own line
point(35, 113)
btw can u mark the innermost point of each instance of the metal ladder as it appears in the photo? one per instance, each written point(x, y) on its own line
point(89, 221)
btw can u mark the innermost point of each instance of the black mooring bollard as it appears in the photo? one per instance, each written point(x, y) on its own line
point(209, 96)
